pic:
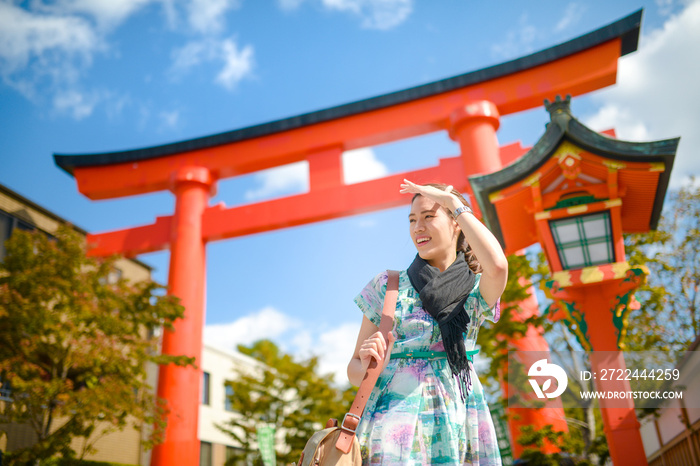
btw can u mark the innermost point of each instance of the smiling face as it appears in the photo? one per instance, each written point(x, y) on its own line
point(434, 232)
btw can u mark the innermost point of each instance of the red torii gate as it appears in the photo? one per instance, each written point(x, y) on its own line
point(468, 106)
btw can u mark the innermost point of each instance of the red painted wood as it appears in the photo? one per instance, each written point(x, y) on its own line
point(577, 74)
point(474, 127)
point(180, 386)
point(323, 204)
point(597, 302)
point(325, 168)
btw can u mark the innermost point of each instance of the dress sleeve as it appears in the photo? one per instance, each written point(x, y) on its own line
point(478, 311)
point(371, 298)
point(477, 307)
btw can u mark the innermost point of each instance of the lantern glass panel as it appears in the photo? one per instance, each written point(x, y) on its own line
point(599, 253)
point(573, 255)
point(568, 232)
point(583, 241)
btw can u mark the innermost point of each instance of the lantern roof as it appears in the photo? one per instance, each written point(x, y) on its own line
point(572, 165)
point(625, 30)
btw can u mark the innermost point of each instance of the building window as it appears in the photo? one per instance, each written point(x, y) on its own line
point(114, 276)
point(205, 454)
point(205, 388)
point(232, 452)
point(228, 404)
point(5, 390)
point(5, 230)
point(8, 223)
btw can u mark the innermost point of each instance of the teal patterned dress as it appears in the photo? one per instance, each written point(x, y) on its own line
point(415, 414)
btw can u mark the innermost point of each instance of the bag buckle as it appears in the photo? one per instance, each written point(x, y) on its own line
point(342, 425)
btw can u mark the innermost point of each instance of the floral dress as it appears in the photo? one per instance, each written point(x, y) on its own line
point(415, 414)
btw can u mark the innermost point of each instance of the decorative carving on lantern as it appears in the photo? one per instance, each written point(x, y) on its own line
point(630, 278)
point(572, 317)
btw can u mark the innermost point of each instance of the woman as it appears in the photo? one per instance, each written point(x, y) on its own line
point(428, 405)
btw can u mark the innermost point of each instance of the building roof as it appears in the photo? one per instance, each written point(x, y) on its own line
point(645, 186)
point(25, 201)
point(625, 29)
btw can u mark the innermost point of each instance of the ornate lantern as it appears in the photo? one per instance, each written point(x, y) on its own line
point(575, 192)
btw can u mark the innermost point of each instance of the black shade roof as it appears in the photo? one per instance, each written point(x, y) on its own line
point(563, 126)
point(627, 29)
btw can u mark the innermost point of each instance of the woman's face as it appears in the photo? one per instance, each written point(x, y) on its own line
point(433, 231)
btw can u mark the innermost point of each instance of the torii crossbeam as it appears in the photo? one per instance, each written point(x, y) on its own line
point(468, 106)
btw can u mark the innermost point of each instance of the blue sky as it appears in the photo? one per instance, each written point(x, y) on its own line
point(87, 76)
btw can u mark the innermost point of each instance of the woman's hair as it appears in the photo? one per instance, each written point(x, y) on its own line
point(462, 244)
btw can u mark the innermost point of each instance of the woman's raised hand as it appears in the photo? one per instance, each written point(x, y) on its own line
point(443, 197)
point(376, 347)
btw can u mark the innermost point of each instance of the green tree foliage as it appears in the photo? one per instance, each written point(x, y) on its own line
point(285, 393)
point(669, 318)
point(493, 339)
point(74, 344)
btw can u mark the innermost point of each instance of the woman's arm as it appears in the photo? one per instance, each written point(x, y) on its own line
point(487, 250)
point(370, 344)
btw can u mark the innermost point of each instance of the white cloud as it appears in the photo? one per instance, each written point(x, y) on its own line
point(116, 104)
point(627, 126)
point(35, 46)
point(374, 14)
point(237, 64)
point(280, 180)
point(268, 323)
point(46, 47)
point(333, 347)
point(107, 13)
point(338, 345)
point(667, 7)
point(79, 105)
point(362, 165)
point(572, 13)
point(169, 119)
point(657, 95)
point(207, 16)
point(516, 42)
point(170, 13)
point(358, 165)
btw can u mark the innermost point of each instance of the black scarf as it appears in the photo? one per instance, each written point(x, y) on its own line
point(443, 295)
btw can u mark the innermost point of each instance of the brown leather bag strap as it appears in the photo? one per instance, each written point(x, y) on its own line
point(386, 325)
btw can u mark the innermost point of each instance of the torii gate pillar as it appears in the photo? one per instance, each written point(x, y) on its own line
point(474, 127)
point(186, 280)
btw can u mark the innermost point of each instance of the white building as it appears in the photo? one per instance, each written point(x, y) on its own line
point(218, 366)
